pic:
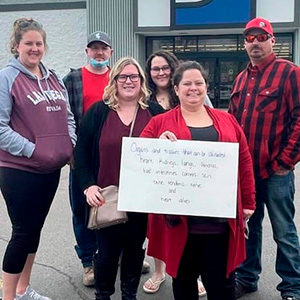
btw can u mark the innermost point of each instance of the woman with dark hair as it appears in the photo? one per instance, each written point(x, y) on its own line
point(207, 246)
point(37, 135)
point(160, 68)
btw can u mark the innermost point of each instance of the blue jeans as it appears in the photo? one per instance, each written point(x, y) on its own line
point(277, 193)
point(85, 238)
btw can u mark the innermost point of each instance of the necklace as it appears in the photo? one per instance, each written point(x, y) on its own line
point(161, 100)
point(164, 102)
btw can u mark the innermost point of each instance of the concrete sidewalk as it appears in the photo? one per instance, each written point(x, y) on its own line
point(57, 272)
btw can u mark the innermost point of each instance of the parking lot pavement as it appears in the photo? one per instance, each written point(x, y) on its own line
point(57, 272)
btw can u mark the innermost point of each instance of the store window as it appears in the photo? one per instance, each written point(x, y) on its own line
point(222, 56)
point(214, 44)
point(283, 47)
point(160, 44)
point(217, 44)
point(185, 44)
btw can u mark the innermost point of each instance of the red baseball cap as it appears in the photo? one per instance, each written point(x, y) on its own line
point(259, 23)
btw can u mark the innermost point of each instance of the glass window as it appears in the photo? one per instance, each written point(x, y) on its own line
point(193, 44)
point(185, 44)
point(284, 46)
point(162, 44)
point(217, 45)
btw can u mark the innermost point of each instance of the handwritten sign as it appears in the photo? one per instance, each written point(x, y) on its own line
point(183, 177)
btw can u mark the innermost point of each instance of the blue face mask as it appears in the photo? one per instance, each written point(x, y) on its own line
point(98, 64)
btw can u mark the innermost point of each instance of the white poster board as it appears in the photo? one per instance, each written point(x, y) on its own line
point(183, 177)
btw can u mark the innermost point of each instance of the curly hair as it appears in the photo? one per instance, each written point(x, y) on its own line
point(110, 95)
point(20, 27)
point(173, 63)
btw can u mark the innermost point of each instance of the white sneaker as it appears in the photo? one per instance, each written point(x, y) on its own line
point(31, 294)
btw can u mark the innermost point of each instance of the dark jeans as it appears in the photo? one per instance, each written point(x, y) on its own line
point(85, 238)
point(277, 193)
point(125, 241)
point(28, 197)
point(205, 255)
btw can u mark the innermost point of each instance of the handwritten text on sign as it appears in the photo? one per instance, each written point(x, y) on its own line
point(182, 177)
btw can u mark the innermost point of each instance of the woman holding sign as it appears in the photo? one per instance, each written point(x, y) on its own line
point(160, 67)
point(97, 165)
point(209, 246)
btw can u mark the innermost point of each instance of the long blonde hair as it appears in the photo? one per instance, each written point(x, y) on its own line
point(110, 95)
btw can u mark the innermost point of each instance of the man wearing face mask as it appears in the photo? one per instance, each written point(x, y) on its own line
point(85, 87)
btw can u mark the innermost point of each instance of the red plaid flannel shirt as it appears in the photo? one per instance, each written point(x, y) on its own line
point(265, 100)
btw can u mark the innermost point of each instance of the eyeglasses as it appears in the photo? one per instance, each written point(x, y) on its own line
point(132, 77)
point(262, 37)
point(165, 69)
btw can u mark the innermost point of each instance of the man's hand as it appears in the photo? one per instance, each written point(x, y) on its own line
point(281, 171)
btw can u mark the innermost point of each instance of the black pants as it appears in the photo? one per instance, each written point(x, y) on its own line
point(125, 241)
point(204, 255)
point(28, 197)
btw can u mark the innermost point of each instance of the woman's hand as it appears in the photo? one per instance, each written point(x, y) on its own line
point(168, 135)
point(247, 213)
point(93, 196)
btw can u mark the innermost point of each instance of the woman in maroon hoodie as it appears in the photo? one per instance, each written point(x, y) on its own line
point(37, 135)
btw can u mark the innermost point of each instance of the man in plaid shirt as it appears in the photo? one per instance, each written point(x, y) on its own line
point(266, 102)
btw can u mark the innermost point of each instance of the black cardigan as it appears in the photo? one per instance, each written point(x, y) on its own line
point(86, 152)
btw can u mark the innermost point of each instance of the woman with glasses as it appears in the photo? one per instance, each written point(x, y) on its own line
point(97, 165)
point(160, 67)
point(37, 134)
point(191, 245)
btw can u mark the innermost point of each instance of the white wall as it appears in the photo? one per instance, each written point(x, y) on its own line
point(66, 36)
point(153, 13)
point(276, 11)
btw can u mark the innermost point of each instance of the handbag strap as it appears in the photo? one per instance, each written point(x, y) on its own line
point(133, 120)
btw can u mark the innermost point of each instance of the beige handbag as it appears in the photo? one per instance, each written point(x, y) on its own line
point(107, 214)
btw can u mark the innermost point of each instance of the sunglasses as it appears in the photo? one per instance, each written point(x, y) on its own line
point(24, 22)
point(262, 37)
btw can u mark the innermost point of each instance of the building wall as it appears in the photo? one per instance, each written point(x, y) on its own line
point(156, 13)
point(153, 18)
point(116, 17)
point(124, 20)
point(66, 36)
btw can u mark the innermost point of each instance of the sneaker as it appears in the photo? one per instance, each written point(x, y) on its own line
point(146, 267)
point(88, 278)
point(31, 294)
point(289, 298)
point(241, 290)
